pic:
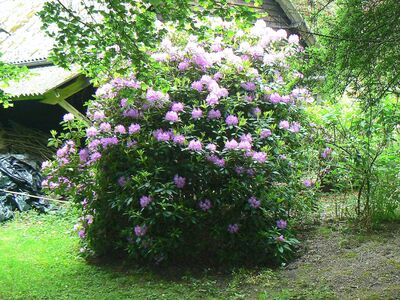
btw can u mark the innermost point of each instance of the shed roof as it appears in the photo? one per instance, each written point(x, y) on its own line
point(22, 42)
point(41, 80)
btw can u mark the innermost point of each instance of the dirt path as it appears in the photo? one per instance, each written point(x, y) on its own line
point(340, 265)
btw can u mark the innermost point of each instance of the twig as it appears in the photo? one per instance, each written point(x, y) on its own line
point(34, 196)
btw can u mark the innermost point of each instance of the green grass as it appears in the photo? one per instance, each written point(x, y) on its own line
point(39, 260)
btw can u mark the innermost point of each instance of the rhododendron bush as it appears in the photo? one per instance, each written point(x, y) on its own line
point(199, 163)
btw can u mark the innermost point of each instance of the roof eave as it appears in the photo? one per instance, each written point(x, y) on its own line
point(297, 21)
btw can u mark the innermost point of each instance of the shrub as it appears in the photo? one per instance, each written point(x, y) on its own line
point(201, 163)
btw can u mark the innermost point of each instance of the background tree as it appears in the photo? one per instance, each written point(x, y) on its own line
point(357, 55)
point(8, 72)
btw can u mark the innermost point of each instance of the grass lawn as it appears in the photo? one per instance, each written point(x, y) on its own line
point(38, 260)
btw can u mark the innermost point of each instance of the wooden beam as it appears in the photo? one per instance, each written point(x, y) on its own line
point(71, 109)
point(66, 90)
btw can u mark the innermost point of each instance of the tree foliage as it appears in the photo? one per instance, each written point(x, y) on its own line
point(8, 72)
point(117, 35)
point(359, 49)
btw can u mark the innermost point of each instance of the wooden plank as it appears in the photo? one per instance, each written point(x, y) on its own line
point(66, 90)
point(71, 109)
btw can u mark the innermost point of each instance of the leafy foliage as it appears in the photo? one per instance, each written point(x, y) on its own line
point(359, 49)
point(105, 37)
point(8, 72)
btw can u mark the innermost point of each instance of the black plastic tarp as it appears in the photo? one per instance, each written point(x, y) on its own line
point(19, 173)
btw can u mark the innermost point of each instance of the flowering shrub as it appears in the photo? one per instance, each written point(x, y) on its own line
point(199, 163)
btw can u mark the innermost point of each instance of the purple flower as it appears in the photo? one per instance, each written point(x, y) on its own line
point(327, 152)
point(205, 79)
point(131, 143)
point(293, 39)
point(109, 141)
point(68, 117)
point(89, 219)
point(265, 133)
point(179, 139)
point(177, 106)
point(211, 147)
point(132, 113)
point(144, 201)
point(179, 181)
point(233, 228)
point(99, 115)
point(217, 76)
point(46, 164)
point(219, 162)
point(251, 172)
point(153, 96)
point(248, 98)
point(239, 170)
point(105, 127)
point(281, 224)
point(182, 66)
point(94, 144)
point(231, 145)
point(195, 145)
point(95, 156)
point(140, 230)
point(171, 116)
point(246, 138)
point(249, 86)
point(285, 99)
point(231, 120)
point(254, 202)
point(214, 114)
point(84, 155)
point(197, 113)
point(91, 132)
point(212, 99)
point(202, 61)
point(256, 111)
point(133, 128)
point(259, 157)
point(205, 205)
point(221, 92)
point(120, 129)
point(197, 85)
point(162, 136)
point(280, 239)
point(62, 151)
point(123, 102)
point(122, 181)
point(295, 127)
point(82, 233)
point(275, 98)
point(284, 124)
point(308, 183)
point(245, 145)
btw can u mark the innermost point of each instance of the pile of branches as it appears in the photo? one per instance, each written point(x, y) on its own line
point(19, 139)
